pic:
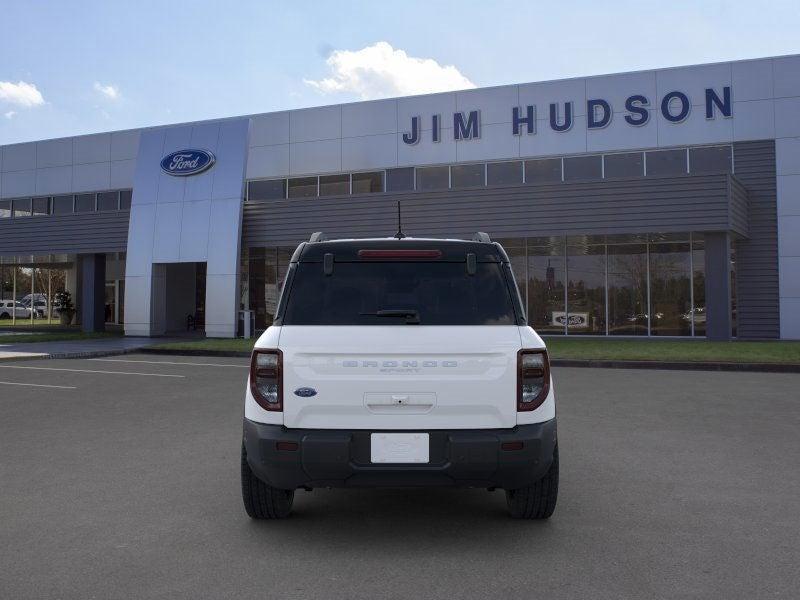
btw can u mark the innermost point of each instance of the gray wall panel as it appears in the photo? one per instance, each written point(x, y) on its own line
point(740, 207)
point(75, 233)
point(698, 203)
point(757, 257)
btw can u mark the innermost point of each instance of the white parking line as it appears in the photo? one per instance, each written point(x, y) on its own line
point(90, 371)
point(165, 362)
point(61, 387)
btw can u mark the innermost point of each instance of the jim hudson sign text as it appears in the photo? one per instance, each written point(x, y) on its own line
point(674, 107)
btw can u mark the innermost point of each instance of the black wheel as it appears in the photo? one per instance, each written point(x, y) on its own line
point(5, 315)
point(537, 501)
point(262, 501)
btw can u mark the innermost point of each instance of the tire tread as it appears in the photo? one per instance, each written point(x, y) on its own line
point(262, 501)
point(537, 501)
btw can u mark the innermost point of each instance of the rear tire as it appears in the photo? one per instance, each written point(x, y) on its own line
point(537, 501)
point(262, 501)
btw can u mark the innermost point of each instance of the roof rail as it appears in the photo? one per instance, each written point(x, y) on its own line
point(480, 236)
point(317, 236)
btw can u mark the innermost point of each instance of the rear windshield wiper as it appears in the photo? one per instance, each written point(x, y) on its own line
point(411, 315)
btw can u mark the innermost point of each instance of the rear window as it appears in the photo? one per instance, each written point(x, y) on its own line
point(399, 293)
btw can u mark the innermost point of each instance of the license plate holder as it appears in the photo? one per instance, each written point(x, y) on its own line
point(393, 448)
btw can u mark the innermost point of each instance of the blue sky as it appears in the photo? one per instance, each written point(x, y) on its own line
point(69, 68)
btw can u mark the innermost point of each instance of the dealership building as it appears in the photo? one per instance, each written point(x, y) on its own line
point(653, 203)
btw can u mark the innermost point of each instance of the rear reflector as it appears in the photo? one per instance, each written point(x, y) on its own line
point(288, 446)
point(512, 445)
point(399, 253)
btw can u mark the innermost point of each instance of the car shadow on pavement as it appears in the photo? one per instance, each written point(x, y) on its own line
point(397, 518)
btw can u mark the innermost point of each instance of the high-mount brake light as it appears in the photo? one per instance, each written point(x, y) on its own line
point(266, 379)
point(533, 379)
point(399, 253)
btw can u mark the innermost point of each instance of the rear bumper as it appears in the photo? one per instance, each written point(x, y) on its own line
point(340, 458)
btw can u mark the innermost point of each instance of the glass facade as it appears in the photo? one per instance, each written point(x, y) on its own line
point(45, 291)
point(34, 290)
point(615, 285)
point(468, 175)
point(334, 185)
point(585, 167)
point(433, 178)
point(264, 270)
point(367, 183)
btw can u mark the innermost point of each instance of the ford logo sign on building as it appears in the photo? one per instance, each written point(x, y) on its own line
point(187, 162)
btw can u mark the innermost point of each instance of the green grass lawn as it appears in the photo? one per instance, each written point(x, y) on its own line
point(38, 321)
point(52, 336)
point(212, 344)
point(674, 350)
point(601, 349)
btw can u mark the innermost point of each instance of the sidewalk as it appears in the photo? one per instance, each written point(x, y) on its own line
point(76, 348)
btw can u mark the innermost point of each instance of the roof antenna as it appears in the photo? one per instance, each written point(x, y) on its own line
point(399, 235)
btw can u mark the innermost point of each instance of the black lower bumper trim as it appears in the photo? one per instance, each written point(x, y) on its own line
point(458, 457)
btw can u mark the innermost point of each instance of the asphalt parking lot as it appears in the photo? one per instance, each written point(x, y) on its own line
point(121, 481)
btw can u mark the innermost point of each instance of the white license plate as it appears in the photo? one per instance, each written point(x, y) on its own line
point(400, 447)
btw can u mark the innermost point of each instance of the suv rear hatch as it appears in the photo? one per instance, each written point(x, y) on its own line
point(377, 339)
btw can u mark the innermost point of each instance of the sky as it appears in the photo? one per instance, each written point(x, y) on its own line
point(85, 66)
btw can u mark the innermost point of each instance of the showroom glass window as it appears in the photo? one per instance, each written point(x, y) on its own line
point(84, 203)
point(661, 163)
point(303, 187)
point(547, 170)
point(266, 271)
point(433, 178)
point(628, 164)
point(627, 288)
point(125, 197)
point(22, 207)
point(270, 189)
point(546, 289)
point(108, 201)
point(670, 294)
point(583, 168)
point(516, 249)
point(586, 286)
point(504, 173)
point(334, 185)
point(699, 283)
point(368, 183)
point(465, 176)
point(41, 206)
point(62, 205)
point(710, 159)
point(400, 180)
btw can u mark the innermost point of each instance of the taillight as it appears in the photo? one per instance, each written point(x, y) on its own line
point(266, 378)
point(533, 379)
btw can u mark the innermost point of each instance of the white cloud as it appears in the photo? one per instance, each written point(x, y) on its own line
point(10, 114)
point(380, 71)
point(20, 93)
point(109, 91)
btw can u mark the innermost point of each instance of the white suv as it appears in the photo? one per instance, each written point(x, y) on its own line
point(399, 362)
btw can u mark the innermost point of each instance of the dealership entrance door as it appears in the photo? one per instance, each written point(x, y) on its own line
point(178, 298)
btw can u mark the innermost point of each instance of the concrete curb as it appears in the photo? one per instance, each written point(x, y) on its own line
point(677, 366)
point(62, 355)
point(92, 353)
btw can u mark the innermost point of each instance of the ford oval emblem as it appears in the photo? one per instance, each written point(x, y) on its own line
point(305, 392)
point(187, 162)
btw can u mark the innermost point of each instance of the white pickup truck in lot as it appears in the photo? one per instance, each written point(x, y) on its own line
point(399, 362)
